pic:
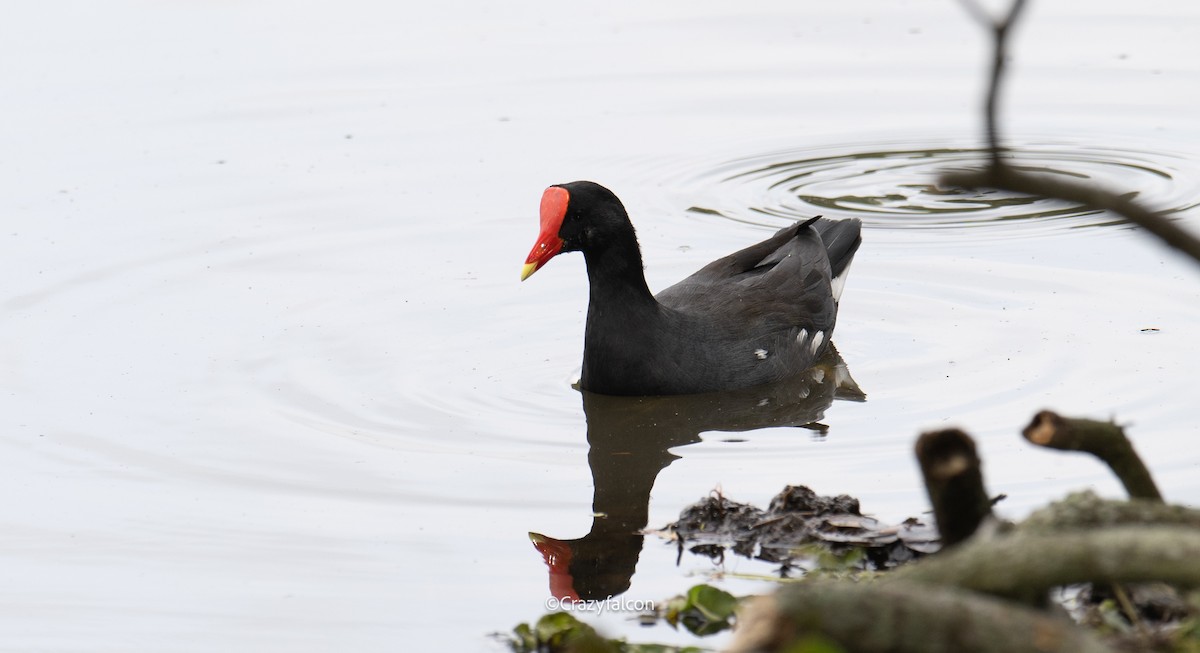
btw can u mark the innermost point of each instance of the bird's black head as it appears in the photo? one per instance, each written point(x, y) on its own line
point(579, 216)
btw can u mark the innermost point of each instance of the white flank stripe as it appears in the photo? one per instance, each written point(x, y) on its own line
point(818, 338)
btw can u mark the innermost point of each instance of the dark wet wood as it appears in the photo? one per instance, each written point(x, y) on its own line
point(954, 481)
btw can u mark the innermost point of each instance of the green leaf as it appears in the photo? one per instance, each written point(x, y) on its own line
point(713, 603)
point(523, 639)
point(557, 625)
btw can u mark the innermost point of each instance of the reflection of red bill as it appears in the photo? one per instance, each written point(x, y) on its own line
point(557, 555)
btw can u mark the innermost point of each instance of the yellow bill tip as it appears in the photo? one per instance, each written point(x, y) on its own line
point(529, 269)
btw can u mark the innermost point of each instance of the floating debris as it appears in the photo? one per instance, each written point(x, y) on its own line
point(795, 520)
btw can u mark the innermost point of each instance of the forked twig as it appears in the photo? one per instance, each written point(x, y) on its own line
point(1000, 31)
point(999, 175)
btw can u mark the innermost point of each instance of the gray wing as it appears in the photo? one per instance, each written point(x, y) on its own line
point(781, 283)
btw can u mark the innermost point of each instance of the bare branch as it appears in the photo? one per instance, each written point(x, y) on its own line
point(1001, 176)
point(1000, 31)
point(1104, 440)
point(980, 14)
point(1092, 197)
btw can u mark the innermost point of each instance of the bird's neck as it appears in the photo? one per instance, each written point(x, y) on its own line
point(616, 276)
point(622, 316)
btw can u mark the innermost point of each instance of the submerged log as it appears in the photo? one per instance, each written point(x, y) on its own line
point(902, 618)
point(1105, 440)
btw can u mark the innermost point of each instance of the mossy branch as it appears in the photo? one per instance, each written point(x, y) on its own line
point(902, 618)
point(1083, 510)
point(1024, 566)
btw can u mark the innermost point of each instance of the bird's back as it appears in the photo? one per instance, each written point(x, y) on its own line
point(792, 277)
point(763, 313)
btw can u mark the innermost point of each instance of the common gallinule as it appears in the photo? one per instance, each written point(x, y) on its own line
point(759, 315)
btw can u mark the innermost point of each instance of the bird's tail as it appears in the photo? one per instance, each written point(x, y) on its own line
point(841, 238)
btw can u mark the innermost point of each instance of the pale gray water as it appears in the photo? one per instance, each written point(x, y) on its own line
point(268, 379)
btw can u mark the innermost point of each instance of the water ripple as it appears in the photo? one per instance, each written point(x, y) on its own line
point(896, 186)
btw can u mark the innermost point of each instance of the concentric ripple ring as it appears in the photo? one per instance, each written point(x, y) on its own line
point(896, 186)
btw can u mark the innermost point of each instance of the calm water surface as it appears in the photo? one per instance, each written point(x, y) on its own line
point(269, 381)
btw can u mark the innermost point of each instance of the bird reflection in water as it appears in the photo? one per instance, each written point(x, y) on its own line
point(631, 438)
